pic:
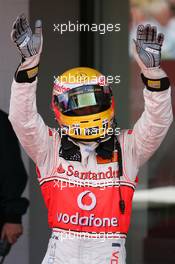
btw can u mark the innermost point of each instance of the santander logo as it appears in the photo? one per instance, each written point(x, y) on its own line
point(60, 169)
point(88, 175)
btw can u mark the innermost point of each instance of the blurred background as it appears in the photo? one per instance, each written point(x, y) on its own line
point(151, 238)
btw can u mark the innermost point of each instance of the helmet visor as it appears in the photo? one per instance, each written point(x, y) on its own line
point(83, 97)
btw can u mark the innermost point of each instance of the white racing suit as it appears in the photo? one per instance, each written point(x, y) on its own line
point(82, 194)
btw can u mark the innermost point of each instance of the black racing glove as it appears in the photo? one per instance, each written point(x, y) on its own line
point(29, 46)
point(147, 52)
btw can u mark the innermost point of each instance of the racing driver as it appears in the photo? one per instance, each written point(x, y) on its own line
point(87, 172)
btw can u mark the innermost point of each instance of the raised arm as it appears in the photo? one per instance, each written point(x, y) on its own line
point(151, 128)
point(26, 122)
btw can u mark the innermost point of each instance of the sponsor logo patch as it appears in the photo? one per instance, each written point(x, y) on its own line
point(154, 84)
point(88, 175)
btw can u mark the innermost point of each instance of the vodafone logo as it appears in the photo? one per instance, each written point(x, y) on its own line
point(85, 206)
point(90, 219)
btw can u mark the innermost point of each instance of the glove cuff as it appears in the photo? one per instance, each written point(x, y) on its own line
point(153, 73)
point(30, 62)
point(28, 69)
point(156, 85)
point(28, 75)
